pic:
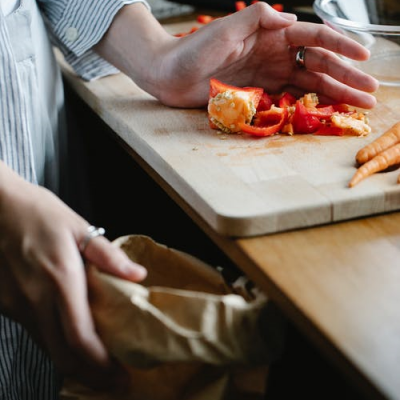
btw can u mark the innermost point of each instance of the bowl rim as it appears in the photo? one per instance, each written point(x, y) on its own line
point(352, 25)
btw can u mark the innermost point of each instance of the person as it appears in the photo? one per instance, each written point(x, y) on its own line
point(46, 328)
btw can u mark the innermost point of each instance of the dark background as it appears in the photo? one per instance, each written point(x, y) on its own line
point(229, 6)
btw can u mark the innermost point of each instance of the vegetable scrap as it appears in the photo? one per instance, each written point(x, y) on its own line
point(251, 110)
point(206, 19)
point(378, 155)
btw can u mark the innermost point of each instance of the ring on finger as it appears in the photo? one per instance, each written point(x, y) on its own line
point(91, 233)
point(300, 57)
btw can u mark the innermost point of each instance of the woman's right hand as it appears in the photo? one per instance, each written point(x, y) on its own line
point(256, 46)
point(43, 281)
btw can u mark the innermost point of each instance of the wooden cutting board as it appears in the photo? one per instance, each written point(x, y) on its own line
point(242, 185)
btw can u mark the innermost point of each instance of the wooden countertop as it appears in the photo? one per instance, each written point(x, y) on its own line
point(339, 282)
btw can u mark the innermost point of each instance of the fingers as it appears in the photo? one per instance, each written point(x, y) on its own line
point(330, 90)
point(111, 259)
point(74, 345)
point(54, 308)
point(66, 322)
point(326, 73)
point(301, 34)
point(323, 61)
point(67, 284)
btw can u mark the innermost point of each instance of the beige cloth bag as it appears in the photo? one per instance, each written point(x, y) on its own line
point(184, 333)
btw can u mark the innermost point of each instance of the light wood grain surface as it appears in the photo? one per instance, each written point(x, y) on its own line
point(344, 279)
point(258, 186)
point(340, 282)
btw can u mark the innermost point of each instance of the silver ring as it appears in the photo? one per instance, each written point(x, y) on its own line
point(92, 232)
point(301, 57)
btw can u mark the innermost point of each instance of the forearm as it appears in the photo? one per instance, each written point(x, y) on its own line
point(134, 43)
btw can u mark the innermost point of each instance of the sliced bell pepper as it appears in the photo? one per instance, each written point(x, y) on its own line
point(286, 100)
point(329, 130)
point(266, 123)
point(303, 121)
point(321, 112)
point(276, 113)
point(270, 117)
point(342, 108)
point(217, 86)
point(265, 102)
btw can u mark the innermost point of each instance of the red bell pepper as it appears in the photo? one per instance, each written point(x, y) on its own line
point(286, 100)
point(303, 121)
point(217, 86)
point(321, 112)
point(265, 102)
point(270, 117)
point(342, 108)
point(266, 123)
point(329, 130)
point(282, 113)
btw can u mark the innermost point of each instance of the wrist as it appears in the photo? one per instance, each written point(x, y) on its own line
point(135, 43)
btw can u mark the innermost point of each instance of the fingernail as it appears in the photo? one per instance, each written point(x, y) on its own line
point(137, 271)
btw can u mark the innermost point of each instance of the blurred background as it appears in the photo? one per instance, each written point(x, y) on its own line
point(164, 9)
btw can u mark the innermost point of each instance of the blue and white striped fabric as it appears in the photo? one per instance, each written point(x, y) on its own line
point(25, 371)
point(29, 143)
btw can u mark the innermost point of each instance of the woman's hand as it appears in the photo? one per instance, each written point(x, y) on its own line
point(42, 276)
point(253, 47)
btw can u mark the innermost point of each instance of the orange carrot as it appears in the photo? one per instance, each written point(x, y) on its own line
point(383, 142)
point(383, 160)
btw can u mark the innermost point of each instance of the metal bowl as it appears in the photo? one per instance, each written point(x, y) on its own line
point(373, 23)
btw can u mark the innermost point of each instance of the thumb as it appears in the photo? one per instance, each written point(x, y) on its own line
point(263, 15)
